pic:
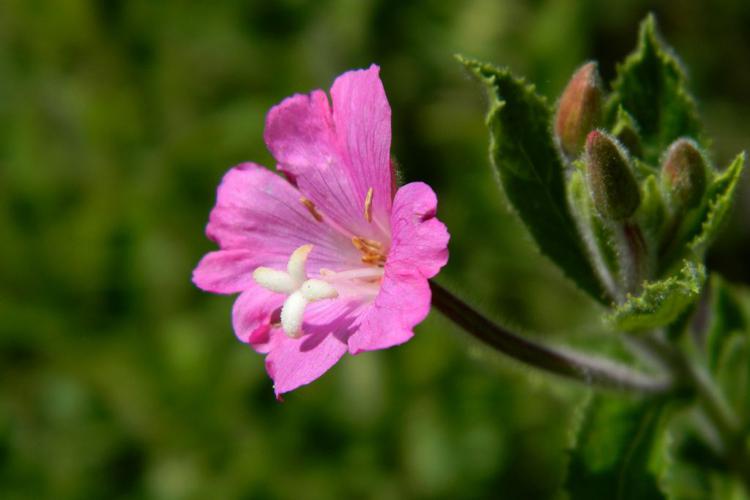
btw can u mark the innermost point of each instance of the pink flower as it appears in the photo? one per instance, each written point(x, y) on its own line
point(333, 259)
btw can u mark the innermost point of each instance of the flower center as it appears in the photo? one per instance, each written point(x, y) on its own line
point(362, 282)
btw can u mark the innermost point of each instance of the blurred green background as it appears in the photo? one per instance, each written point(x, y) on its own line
point(119, 379)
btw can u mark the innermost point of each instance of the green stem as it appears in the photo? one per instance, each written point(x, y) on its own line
point(576, 366)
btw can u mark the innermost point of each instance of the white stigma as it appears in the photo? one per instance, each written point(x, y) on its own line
point(295, 283)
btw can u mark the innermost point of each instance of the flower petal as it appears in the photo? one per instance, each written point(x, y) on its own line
point(419, 249)
point(362, 117)
point(401, 304)
point(225, 271)
point(419, 241)
point(252, 315)
point(295, 362)
point(336, 156)
point(261, 212)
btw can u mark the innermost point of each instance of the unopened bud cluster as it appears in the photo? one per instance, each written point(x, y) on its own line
point(619, 181)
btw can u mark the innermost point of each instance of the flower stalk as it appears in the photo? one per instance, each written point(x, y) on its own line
point(576, 366)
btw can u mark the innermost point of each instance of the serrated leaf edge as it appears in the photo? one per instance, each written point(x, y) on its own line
point(691, 283)
point(489, 74)
point(719, 204)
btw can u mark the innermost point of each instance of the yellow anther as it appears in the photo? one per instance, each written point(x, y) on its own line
point(365, 245)
point(371, 250)
point(374, 259)
point(310, 206)
point(368, 205)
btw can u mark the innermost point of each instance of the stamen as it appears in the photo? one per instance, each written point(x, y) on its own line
point(371, 250)
point(368, 205)
point(310, 206)
point(365, 245)
point(365, 273)
point(374, 259)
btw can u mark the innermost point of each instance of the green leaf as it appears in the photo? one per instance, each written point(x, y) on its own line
point(691, 470)
point(719, 198)
point(616, 454)
point(730, 313)
point(530, 170)
point(627, 132)
point(733, 372)
point(728, 344)
point(661, 302)
point(694, 467)
point(651, 86)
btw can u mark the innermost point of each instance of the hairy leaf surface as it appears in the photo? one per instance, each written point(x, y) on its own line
point(651, 86)
point(530, 170)
point(616, 454)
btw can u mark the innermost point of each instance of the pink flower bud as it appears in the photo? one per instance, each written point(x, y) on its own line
point(684, 174)
point(579, 110)
point(610, 178)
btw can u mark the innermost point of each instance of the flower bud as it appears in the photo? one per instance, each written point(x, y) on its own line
point(579, 110)
point(684, 174)
point(611, 181)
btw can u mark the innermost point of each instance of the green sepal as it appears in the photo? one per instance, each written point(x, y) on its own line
point(617, 451)
point(626, 130)
point(662, 301)
point(643, 170)
point(651, 85)
point(653, 212)
point(530, 170)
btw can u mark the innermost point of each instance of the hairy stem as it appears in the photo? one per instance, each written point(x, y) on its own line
point(591, 371)
point(635, 258)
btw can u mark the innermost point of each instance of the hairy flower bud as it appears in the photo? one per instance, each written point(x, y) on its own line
point(684, 174)
point(579, 110)
point(611, 181)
